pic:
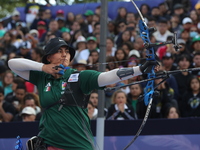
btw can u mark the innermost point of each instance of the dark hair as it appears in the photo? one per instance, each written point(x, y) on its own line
point(167, 108)
point(39, 51)
point(2, 90)
point(190, 80)
point(184, 56)
point(89, 102)
point(21, 86)
point(163, 21)
point(18, 80)
point(197, 53)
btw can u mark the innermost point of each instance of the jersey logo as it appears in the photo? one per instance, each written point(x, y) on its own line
point(64, 84)
point(73, 77)
point(47, 87)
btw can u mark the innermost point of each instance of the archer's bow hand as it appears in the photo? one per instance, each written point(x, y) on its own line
point(148, 66)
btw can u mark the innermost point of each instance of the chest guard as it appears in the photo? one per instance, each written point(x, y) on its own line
point(73, 95)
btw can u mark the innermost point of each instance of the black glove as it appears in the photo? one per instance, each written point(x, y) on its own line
point(147, 66)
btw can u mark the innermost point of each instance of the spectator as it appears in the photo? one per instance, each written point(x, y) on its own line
point(190, 104)
point(93, 60)
point(196, 44)
point(133, 99)
point(163, 32)
point(30, 100)
point(70, 18)
point(7, 43)
point(80, 45)
point(130, 17)
point(112, 30)
point(155, 13)
point(187, 23)
point(61, 24)
point(7, 110)
point(194, 17)
point(171, 111)
point(133, 58)
point(79, 18)
point(53, 29)
point(110, 48)
point(168, 62)
point(182, 50)
point(145, 10)
point(40, 17)
point(13, 20)
point(121, 58)
point(28, 114)
point(127, 47)
point(91, 45)
point(25, 50)
point(41, 27)
point(89, 15)
point(37, 54)
point(121, 15)
point(196, 64)
point(60, 13)
point(120, 110)
point(166, 95)
point(47, 15)
point(2, 29)
point(92, 111)
point(182, 78)
point(80, 65)
point(176, 25)
point(125, 36)
point(6, 83)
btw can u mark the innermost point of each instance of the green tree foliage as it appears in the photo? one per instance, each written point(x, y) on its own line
point(8, 6)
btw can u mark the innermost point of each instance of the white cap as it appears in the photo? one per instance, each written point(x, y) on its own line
point(16, 13)
point(29, 111)
point(80, 39)
point(187, 20)
point(134, 52)
point(34, 31)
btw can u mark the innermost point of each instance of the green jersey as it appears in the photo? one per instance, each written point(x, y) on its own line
point(68, 128)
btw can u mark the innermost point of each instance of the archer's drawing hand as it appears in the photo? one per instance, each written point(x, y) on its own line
point(51, 69)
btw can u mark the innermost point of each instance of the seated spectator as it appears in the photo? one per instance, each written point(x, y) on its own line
point(7, 110)
point(182, 78)
point(166, 95)
point(196, 44)
point(17, 98)
point(162, 33)
point(182, 50)
point(110, 47)
point(41, 28)
point(190, 104)
point(80, 65)
point(6, 83)
point(7, 43)
point(25, 50)
point(92, 111)
point(171, 111)
point(94, 98)
point(168, 62)
point(28, 114)
point(120, 110)
point(37, 54)
point(121, 57)
point(133, 99)
point(93, 60)
point(30, 100)
point(196, 64)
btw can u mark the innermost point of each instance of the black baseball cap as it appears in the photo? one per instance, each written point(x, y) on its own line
point(52, 47)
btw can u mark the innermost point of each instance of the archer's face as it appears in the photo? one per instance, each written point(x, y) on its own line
point(61, 57)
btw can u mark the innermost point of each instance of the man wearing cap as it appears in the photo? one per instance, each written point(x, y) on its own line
point(91, 45)
point(24, 50)
point(28, 114)
point(62, 91)
point(14, 19)
point(196, 44)
point(89, 15)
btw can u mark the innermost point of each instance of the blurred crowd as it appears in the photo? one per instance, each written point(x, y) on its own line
point(179, 95)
